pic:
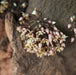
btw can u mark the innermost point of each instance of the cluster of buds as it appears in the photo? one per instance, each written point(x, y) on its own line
point(40, 36)
point(72, 27)
point(12, 6)
point(3, 6)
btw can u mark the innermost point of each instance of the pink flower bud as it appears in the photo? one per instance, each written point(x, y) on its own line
point(63, 44)
point(45, 54)
point(50, 32)
point(55, 28)
point(57, 33)
point(21, 18)
point(47, 30)
point(61, 33)
point(75, 30)
point(49, 22)
point(61, 48)
point(72, 39)
point(61, 40)
point(39, 45)
point(42, 29)
point(29, 26)
point(50, 38)
point(39, 25)
point(69, 26)
point(24, 32)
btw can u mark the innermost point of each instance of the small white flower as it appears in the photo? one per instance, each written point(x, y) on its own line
point(57, 33)
point(64, 37)
point(45, 53)
point(15, 4)
point(61, 48)
point(28, 50)
point(24, 5)
point(45, 19)
point(42, 29)
point(53, 22)
point(63, 44)
point(27, 15)
point(24, 29)
point(51, 52)
point(72, 18)
point(29, 41)
point(69, 26)
point(4, 2)
point(39, 25)
point(34, 12)
point(19, 29)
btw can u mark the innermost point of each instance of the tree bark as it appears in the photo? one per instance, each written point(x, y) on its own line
point(58, 10)
point(30, 64)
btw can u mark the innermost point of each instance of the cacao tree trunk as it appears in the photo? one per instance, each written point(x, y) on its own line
point(30, 64)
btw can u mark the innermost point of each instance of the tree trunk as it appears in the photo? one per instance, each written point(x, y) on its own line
point(30, 64)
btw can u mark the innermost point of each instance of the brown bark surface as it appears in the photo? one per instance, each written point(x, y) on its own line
point(30, 64)
point(5, 52)
point(58, 10)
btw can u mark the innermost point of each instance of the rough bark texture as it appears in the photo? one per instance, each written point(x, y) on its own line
point(29, 64)
point(58, 10)
point(5, 52)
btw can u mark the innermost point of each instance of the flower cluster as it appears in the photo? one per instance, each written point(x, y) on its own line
point(72, 27)
point(12, 5)
point(40, 36)
point(3, 6)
